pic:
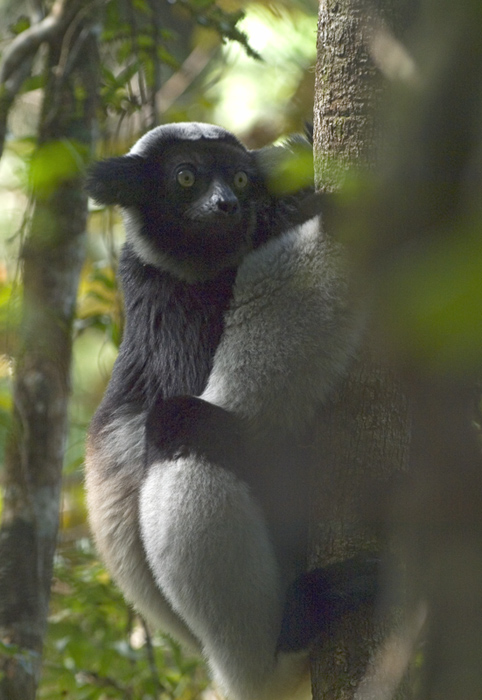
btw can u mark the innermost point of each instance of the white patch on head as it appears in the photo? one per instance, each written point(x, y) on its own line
point(289, 333)
point(184, 131)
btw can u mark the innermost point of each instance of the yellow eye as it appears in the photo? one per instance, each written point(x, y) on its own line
point(186, 177)
point(240, 180)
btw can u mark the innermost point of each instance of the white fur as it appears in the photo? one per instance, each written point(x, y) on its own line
point(289, 334)
point(185, 131)
point(209, 549)
point(113, 477)
point(148, 253)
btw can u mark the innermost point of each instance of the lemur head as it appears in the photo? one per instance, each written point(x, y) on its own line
point(191, 194)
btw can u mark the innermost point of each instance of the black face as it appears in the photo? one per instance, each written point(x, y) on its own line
point(196, 200)
point(201, 208)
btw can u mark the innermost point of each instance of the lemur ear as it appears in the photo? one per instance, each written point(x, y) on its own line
point(287, 169)
point(117, 180)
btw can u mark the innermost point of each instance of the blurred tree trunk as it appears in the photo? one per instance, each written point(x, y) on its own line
point(52, 256)
point(423, 250)
point(363, 437)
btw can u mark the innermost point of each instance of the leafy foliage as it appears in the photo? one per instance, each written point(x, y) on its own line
point(207, 14)
point(96, 648)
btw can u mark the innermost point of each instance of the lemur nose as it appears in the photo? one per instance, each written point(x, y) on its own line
point(228, 205)
point(223, 199)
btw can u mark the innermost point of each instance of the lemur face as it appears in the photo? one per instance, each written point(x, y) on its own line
point(201, 212)
point(190, 205)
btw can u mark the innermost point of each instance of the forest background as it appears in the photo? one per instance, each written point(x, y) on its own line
point(247, 66)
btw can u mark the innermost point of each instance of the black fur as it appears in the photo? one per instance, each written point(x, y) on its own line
point(172, 331)
point(317, 600)
point(123, 181)
point(186, 425)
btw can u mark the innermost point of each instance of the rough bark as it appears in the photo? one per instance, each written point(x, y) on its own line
point(363, 437)
point(52, 256)
point(363, 443)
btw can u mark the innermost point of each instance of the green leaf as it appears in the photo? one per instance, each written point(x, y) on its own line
point(54, 163)
point(22, 23)
point(34, 82)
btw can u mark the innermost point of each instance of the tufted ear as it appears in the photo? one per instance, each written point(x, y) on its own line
point(120, 180)
point(287, 169)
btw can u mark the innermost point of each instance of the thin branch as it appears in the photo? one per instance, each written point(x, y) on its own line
point(8, 93)
point(151, 659)
point(156, 83)
point(28, 41)
point(69, 54)
point(18, 57)
point(67, 63)
point(178, 83)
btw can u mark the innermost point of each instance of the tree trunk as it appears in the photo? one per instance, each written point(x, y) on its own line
point(363, 437)
point(52, 257)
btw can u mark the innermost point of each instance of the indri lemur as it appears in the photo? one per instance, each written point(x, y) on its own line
point(237, 328)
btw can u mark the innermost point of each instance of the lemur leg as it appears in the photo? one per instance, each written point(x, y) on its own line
point(211, 555)
point(208, 545)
